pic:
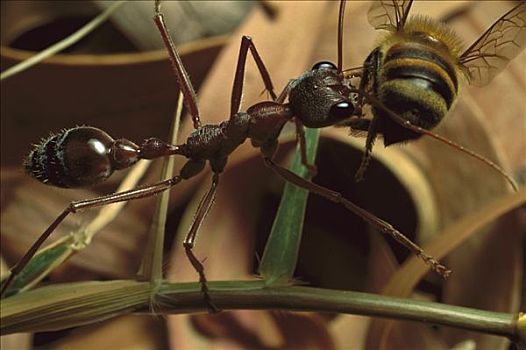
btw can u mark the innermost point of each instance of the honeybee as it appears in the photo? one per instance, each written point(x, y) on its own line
point(411, 78)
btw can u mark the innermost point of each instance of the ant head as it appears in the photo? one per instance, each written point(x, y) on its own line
point(321, 97)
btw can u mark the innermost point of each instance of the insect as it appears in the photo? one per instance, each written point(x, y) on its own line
point(86, 155)
point(411, 78)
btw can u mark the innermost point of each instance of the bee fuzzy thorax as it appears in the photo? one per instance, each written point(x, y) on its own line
point(435, 31)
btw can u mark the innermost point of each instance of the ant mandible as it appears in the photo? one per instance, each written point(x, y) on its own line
point(85, 155)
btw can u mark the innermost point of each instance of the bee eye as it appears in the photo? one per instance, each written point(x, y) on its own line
point(324, 65)
point(342, 110)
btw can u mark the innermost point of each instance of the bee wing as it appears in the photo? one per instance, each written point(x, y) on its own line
point(491, 53)
point(389, 14)
point(358, 126)
point(358, 133)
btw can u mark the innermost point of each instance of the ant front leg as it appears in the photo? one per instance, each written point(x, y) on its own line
point(285, 92)
point(373, 220)
point(418, 129)
point(300, 136)
point(73, 207)
point(354, 72)
point(204, 207)
point(237, 88)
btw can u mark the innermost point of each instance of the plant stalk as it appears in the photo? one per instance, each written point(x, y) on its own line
point(68, 305)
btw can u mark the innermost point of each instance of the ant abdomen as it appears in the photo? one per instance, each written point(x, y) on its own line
point(80, 156)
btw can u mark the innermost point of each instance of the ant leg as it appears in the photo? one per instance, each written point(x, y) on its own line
point(354, 72)
point(190, 98)
point(189, 242)
point(341, 16)
point(408, 125)
point(73, 207)
point(284, 93)
point(237, 88)
point(300, 135)
point(373, 220)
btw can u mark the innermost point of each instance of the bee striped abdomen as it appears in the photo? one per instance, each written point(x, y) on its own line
point(417, 83)
point(419, 62)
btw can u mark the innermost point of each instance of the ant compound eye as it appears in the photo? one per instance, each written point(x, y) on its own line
point(342, 110)
point(324, 65)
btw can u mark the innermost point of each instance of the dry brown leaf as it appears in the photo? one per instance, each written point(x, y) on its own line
point(128, 95)
point(124, 333)
point(19, 341)
point(115, 252)
point(382, 264)
point(303, 331)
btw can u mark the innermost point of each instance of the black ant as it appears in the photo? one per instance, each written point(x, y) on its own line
point(86, 155)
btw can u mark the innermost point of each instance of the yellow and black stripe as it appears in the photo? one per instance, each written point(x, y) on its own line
point(417, 82)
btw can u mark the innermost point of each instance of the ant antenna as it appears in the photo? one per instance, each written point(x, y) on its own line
point(340, 35)
point(190, 98)
point(408, 125)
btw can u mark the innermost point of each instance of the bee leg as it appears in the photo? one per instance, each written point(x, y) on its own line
point(300, 137)
point(369, 143)
point(189, 242)
point(368, 82)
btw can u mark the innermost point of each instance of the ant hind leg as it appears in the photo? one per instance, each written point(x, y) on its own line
point(73, 207)
point(189, 242)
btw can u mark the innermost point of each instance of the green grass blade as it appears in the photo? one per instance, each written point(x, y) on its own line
point(281, 251)
point(152, 262)
point(43, 263)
